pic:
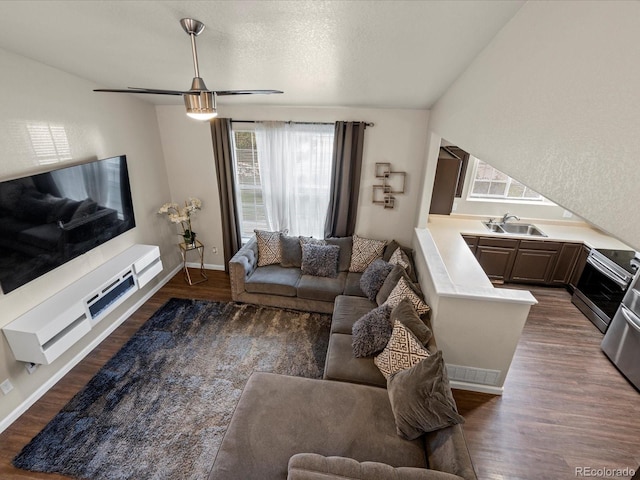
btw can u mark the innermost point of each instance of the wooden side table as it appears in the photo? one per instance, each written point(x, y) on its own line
point(186, 248)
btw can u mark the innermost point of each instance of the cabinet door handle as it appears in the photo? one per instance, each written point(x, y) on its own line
point(632, 319)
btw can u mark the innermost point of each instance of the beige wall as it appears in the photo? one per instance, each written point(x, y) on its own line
point(97, 126)
point(398, 137)
point(554, 101)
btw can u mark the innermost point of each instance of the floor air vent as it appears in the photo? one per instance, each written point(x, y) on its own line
point(473, 375)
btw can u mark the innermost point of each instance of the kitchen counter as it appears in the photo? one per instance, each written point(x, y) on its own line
point(461, 265)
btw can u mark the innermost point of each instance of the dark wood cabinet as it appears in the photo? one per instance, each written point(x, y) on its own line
point(529, 261)
point(578, 267)
point(496, 256)
point(449, 179)
point(472, 242)
point(567, 257)
point(534, 261)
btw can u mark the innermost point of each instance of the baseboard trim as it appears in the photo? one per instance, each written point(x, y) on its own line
point(207, 266)
point(476, 387)
point(45, 387)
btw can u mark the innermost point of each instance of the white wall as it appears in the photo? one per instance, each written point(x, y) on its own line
point(554, 101)
point(97, 126)
point(398, 137)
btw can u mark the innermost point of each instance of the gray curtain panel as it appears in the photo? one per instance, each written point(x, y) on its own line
point(345, 179)
point(222, 144)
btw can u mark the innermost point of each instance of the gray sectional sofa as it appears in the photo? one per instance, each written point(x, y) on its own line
point(339, 427)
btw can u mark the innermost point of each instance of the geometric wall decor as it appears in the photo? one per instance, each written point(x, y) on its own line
point(392, 183)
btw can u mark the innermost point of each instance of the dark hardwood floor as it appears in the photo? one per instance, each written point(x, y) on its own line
point(564, 406)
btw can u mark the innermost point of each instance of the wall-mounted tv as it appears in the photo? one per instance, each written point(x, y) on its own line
point(49, 218)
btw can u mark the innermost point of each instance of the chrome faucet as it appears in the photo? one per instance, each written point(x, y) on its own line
point(507, 217)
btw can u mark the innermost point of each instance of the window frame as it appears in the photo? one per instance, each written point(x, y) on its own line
point(471, 197)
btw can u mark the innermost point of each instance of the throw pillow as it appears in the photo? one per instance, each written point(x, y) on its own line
point(311, 240)
point(268, 247)
point(406, 314)
point(390, 283)
point(405, 289)
point(371, 332)
point(421, 398)
point(400, 258)
point(290, 251)
point(365, 251)
point(346, 245)
point(373, 277)
point(390, 249)
point(403, 351)
point(320, 260)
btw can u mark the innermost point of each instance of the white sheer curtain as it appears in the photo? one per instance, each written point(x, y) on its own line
point(295, 174)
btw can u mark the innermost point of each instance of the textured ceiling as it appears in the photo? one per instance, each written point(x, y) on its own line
point(320, 53)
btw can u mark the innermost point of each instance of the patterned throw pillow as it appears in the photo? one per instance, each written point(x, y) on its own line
point(400, 258)
point(403, 351)
point(365, 251)
point(268, 247)
point(404, 290)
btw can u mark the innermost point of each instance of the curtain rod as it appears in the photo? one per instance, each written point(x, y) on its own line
point(368, 124)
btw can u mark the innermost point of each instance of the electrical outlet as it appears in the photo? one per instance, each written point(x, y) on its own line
point(31, 367)
point(214, 250)
point(6, 386)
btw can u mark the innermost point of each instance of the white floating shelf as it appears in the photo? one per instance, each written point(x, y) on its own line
point(48, 330)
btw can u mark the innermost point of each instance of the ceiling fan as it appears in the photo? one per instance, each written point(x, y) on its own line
point(200, 101)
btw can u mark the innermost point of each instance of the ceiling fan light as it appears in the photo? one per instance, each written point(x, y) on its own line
point(202, 106)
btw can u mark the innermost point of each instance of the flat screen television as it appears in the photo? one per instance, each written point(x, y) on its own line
point(50, 218)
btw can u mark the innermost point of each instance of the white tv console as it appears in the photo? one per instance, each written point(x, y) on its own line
point(48, 330)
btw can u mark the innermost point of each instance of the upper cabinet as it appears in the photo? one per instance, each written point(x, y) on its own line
point(449, 179)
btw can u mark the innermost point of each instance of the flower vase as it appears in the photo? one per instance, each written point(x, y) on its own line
point(190, 238)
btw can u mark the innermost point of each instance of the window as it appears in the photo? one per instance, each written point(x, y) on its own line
point(490, 183)
point(250, 202)
point(283, 176)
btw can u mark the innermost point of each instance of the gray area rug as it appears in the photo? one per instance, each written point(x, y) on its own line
point(160, 407)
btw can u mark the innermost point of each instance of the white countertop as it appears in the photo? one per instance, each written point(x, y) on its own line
point(462, 266)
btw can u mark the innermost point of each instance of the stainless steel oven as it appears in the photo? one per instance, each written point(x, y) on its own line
point(622, 340)
point(603, 284)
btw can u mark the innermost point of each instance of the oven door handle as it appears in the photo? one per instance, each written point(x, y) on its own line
point(632, 320)
point(611, 275)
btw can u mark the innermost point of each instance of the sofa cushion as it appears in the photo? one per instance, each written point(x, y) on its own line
point(370, 333)
point(343, 366)
point(273, 280)
point(268, 247)
point(346, 245)
point(320, 260)
point(352, 287)
point(421, 398)
point(290, 251)
point(347, 310)
point(374, 276)
point(278, 416)
point(324, 289)
point(403, 351)
point(311, 466)
point(365, 251)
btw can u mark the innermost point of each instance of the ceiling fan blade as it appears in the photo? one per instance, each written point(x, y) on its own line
point(141, 90)
point(246, 92)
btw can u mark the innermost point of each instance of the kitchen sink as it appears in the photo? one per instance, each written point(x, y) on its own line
point(514, 229)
